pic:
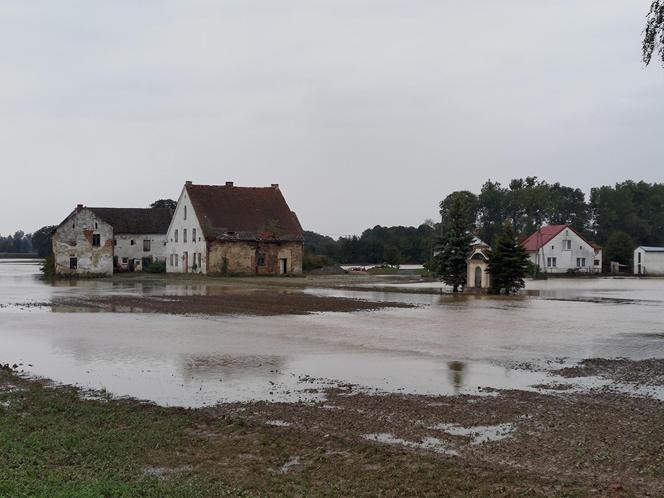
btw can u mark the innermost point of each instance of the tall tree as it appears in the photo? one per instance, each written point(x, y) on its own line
point(620, 248)
point(653, 34)
point(492, 210)
point(468, 204)
point(454, 245)
point(164, 203)
point(42, 241)
point(508, 263)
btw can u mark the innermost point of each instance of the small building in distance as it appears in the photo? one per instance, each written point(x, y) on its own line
point(99, 241)
point(561, 249)
point(235, 230)
point(649, 260)
point(478, 263)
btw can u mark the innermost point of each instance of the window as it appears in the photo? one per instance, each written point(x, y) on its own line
point(176, 235)
point(73, 263)
point(115, 242)
point(551, 262)
point(639, 254)
point(553, 248)
point(96, 240)
point(261, 259)
point(171, 260)
point(125, 261)
point(596, 262)
point(199, 260)
point(184, 235)
point(146, 245)
point(133, 242)
point(96, 226)
point(581, 262)
point(193, 235)
point(176, 259)
point(567, 245)
point(185, 215)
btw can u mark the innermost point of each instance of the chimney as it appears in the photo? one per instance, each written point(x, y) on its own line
point(275, 185)
point(229, 184)
point(79, 207)
point(188, 183)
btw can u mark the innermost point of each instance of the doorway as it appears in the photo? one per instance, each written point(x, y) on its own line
point(478, 277)
point(283, 266)
point(185, 262)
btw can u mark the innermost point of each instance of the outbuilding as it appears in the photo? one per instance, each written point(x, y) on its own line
point(649, 260)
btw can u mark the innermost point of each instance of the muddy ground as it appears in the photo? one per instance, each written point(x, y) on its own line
point(505, 443)
point(224, 302)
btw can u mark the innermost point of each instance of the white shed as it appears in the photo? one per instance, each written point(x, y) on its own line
point(649, 260)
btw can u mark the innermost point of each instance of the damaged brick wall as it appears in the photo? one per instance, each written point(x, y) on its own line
point(245, 257)
point(74, 239)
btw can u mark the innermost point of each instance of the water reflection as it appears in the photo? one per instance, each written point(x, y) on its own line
point(456, 374)
point(446, 345)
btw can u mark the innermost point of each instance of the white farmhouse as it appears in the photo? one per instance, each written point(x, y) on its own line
point(561, 249)
point(649, 260)
point(230, 229)
point(99, 241)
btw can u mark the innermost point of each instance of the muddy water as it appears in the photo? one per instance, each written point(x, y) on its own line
point(446, 345)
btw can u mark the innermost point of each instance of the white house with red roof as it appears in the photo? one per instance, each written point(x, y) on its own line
point(561, 249)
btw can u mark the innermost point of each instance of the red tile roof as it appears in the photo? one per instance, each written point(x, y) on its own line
point(243, 213)
point(542, 236)
point(545, 234)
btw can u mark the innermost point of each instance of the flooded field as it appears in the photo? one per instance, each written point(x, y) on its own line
point(442, 345)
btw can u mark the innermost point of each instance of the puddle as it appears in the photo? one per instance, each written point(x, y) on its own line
point(480, 433)
point(165, 472)
point(278, 423)
point(289, 464)
point(428, 443)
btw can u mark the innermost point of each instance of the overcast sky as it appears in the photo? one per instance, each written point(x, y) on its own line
point(365, 111)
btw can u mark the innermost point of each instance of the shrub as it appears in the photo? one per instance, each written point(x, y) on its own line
point(156, 267)
point(48, 268)
point(314, 261)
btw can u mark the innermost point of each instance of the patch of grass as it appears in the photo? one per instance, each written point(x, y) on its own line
point(54, 443)
point(383, 270)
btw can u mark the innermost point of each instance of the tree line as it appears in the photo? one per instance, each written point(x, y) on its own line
point(392, 245)
point(619, 217)
point(38, 242)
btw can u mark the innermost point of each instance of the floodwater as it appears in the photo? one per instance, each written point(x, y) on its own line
point(445, 345)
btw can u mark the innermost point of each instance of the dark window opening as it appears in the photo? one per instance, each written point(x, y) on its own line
point(115, 242)
point(96, 240)
point(73, 263)
point(133, 242)
point(261, 259)
point(146, 246)
point(124, 261)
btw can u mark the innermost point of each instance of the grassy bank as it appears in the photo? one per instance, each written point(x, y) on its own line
point(55, 443)
point(59, 441)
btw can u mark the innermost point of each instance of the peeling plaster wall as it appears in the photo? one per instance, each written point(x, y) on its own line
point(242, 257)
point(124, 249)
point(73, 239)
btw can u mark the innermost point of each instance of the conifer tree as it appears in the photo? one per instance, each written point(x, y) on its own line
point(453, 247)
point(508, 263)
